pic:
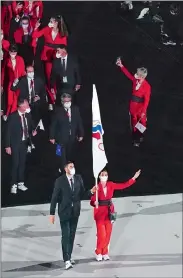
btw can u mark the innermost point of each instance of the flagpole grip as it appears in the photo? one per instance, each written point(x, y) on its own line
point(96, 184)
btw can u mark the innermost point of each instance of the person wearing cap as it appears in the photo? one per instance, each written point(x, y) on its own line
point(14, 69)
point(139, 101)
point(65, 71)
point(54, 34)
point(68, 192)
point(66, 128)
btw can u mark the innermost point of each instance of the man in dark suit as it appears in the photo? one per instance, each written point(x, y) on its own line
point(66, 128)
point(68, 193)
point(19, 131)
point(33, 90)
point(65, 70)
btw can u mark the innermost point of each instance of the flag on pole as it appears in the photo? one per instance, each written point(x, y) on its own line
point(99, 156)
point(40, 125)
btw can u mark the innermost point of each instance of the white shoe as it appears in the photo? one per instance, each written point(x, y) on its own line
point(99, 258)
point(106, 257)
point(50, 107)
point(68, 265)
point(14, 189)
point(21, 186)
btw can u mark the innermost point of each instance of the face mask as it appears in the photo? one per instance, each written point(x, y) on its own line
point(58, 55)
point(25, 26)
point(50, 24)
point(103, 178)
point(67, 104)
point(136, 76)
point(13, 56)
point(2, 36)
point(72, 171)
point(30, 75)
point(27, 110)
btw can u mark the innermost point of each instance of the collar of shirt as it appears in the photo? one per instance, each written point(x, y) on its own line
point(20, 113)
point(69, 179)
point(64, 58)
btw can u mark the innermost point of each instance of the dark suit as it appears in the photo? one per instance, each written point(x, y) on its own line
point(39, 90)
point(71, 72)
point(69, 207)
point(64, 132)
point(13, 139)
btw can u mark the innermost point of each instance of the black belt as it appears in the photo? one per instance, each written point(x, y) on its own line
point(137, 99)
point(105, 202)
point(52, 45)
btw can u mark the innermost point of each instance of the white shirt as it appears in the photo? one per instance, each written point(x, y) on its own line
point(30, 88)
point(23, 137)
point(65, 58)
point(69, 179)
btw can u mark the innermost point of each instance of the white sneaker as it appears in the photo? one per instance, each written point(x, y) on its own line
point(50, 107)
point(21, 186)
point(99, 258)
point(14, 189)
point(68, 265)
point(106, 257)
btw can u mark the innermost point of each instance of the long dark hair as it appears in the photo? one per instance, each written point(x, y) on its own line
point(61, 26)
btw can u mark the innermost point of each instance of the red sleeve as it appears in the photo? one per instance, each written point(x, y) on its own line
point(146, 98)
point(22, 67)
point(127, 73)
point(5, 45)
point(15, 11)
point(123, 185)
point(40, 5)
point(39, 33)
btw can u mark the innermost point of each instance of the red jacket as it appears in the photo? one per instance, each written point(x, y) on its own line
point(48, 52)
point(36, 11)
point(18, 34)
point(16, 12)
point(143, 91)
point(102, 212)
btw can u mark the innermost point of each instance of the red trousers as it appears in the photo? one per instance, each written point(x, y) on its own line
point(12, 101)
point(136, 110)
point(104, 230)
point(48, 68)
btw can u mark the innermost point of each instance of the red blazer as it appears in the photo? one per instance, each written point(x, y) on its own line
point(102, 212)
point(33, 12)
point(18, 34)
point(144, 90)
point(18, 72)
point(48, 52)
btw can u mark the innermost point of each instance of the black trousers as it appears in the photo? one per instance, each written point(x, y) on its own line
point(67, 153)
point(18, 156)
point(68, 229)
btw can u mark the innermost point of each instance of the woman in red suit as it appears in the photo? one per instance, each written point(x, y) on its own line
point(33, 9)
point(141, 93)
point(54, 34)
point(6, 16)
point(103, 208)
point(14, 69)
point(23, 38)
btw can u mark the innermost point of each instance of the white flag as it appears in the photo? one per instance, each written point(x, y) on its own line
point(99, 156)
point(40, 125)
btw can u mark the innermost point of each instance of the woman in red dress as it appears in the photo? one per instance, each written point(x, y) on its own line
point(14, 69)
point(54, 34)
point(103, 209)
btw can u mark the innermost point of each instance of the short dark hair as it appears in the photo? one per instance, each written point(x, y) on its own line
point(13, 47)
point(25, 18)
point(67, 163)
point(21, 101)
point(65, 95)
point(29, 66)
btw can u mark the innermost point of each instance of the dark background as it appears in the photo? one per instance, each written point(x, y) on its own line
point(99, 35)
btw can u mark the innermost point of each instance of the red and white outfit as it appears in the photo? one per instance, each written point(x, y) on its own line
point(140, 99)
point(101, 214)
point(13, 69)
point(52, 41)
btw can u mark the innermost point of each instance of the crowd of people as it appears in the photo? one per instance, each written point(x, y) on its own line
point(23, 94)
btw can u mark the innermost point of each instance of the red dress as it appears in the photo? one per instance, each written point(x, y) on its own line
point(11, 74)
point(101, 214)
point(142, 91)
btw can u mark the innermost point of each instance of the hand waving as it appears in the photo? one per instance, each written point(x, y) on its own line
point(137, 174)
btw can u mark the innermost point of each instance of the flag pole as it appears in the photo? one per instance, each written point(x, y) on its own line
point(96, 194)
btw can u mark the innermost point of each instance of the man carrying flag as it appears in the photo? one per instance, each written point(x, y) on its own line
point(104, 213)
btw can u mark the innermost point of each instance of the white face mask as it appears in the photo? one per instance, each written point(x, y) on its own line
point(136, 76)
point(58, 55)
point(30, 75)
point(50, 24)
point(27, 110)
point(67, 104)
point(2, 36)
point(103, 178)
point(72, 171)
point(25, 26)
point(13, 56)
